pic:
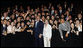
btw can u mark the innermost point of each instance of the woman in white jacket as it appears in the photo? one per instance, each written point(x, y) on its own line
point(47, 34)
point(11, 28)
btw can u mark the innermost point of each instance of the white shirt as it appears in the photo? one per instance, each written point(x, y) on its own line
point(52, 12)
point(47, 31)
point(4, 25)
point(17, 29)
point(10, 29)
point(60, 11)
point(79, 28)
point(6, 18)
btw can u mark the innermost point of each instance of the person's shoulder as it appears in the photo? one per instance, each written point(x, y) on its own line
point(60, 25)
point(8, 26)
point(40, 22)
point(49, 25)
point(66, 21)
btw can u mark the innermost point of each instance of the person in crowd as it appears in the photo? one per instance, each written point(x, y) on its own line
point(25, 24)
point(79, 17)
point(18, 27)
point(11, 28)
point(47, 34)
point(1, 27)
point(12, 17)
point(52, 10)
point(5, 16)
point(4, 32)
point(60, 11)
point(21, 34)
point(65, 26)
point(78, 26)
point(73, 35)
point(79, 30)
point(38, 31)
point(29, 30)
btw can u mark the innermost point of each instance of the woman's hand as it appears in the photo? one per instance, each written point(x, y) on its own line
point(50, 39)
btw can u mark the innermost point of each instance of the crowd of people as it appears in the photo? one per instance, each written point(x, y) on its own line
point(18, 25)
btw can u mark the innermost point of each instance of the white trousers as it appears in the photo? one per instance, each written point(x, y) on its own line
point(46, 42)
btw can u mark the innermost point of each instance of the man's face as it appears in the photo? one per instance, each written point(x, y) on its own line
point(38, 18)
point(5, 14)
point(62, 20)
point(12, 16)
point(5, 21)
point(22, 24)
point(79, 16)
point(8, 23)
point(18, 19)
point(1, 21)
point(62, 16)
point(60, 7)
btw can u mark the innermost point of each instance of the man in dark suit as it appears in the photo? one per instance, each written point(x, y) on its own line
point(4, 28)
point(38, 31)
point(60, 10)
point(3, 33)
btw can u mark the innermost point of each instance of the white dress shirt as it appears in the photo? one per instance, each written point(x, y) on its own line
point(36, 23)
point(52, 12)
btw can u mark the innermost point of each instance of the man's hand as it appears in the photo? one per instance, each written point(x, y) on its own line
point(31, 32)
point(40, 35)
point(66, 35)
point(4, 33)
point(28, 30)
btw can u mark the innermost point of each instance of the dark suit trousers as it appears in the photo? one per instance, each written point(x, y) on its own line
point(65, 43)
point(80, 39)
point(38, 42)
